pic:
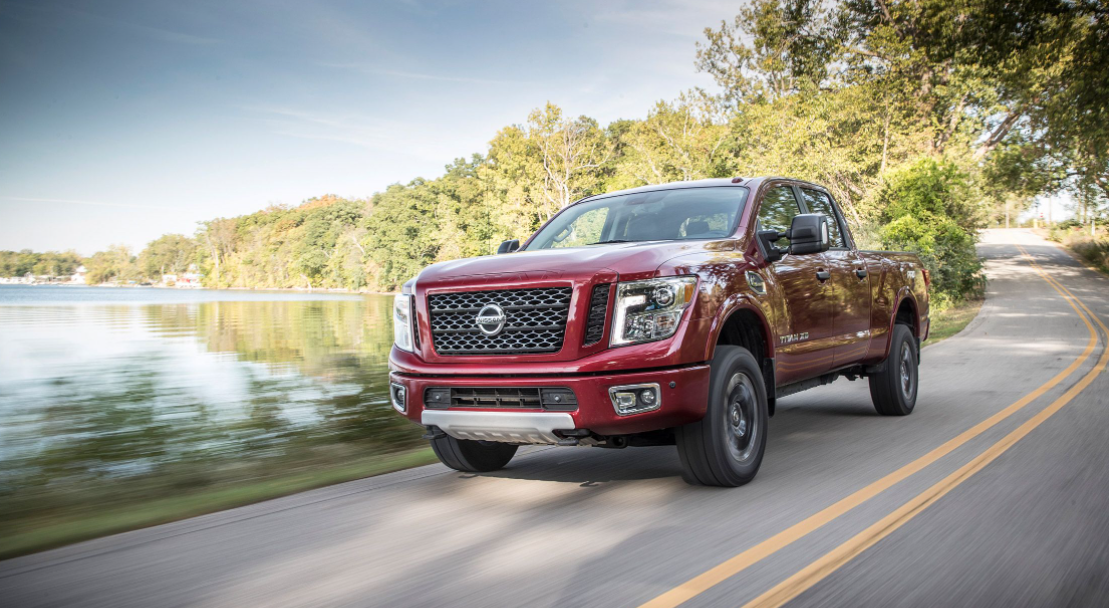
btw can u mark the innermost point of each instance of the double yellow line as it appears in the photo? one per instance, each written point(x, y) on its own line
point(825, 565)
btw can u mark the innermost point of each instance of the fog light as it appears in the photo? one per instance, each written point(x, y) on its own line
point(635, 399)
point(399, 396)
point(625, 401)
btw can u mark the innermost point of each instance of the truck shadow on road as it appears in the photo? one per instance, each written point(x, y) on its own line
point(591, 467)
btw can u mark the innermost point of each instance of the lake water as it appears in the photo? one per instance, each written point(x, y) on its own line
point(127, 388)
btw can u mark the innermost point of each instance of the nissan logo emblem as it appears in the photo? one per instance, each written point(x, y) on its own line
point(490, 319)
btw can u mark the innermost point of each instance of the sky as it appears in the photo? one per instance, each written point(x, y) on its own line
point(121, 121)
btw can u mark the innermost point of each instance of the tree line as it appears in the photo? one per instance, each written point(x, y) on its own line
point(50, 263)
point(927, 119)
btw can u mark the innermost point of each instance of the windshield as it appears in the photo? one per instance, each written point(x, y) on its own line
point(660, 215)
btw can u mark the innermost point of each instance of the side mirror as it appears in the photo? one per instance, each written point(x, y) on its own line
point(767, 239)
point(809, 234)
point(508, 246)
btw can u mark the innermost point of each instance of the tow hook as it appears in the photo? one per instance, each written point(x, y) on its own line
point(433, 433)
point(571, 437)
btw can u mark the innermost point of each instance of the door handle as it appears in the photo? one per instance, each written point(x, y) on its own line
point(860, 272)
point(823, 275)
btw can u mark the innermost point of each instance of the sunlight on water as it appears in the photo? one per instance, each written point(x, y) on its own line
point(193, 388)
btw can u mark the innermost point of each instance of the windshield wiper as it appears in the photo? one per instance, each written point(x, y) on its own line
point(608, 242)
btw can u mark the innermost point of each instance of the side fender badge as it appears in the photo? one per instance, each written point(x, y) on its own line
point(758, 285)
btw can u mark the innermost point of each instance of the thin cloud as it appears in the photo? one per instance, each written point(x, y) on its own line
point(418, 75)
point(367, 132)
point(680, 18)
point(137, 28)
point(67, 201)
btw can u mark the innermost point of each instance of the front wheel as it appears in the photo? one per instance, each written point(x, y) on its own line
point(471, 456)
point(725, 448)
point(893, 390)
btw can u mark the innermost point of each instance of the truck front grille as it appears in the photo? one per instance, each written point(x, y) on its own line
point(535, 321)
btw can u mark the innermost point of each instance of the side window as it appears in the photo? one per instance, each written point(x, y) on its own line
point(777, 211)
point(818, 202)
point(585, 230)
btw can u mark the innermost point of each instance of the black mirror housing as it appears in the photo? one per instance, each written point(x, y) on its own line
point(766, 242)
point(508, 246)
point(809, 234)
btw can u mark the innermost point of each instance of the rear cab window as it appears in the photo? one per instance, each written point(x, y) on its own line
point(818, 202)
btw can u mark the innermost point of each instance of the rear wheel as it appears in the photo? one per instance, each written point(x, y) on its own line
point(471, 456)
point(725, 448)
point(893, 390)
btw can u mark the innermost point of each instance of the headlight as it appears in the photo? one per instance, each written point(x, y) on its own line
point(650, 310)
point(402, 321)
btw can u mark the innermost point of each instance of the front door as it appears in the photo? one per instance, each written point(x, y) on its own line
point(850, 296)
point(804, 348)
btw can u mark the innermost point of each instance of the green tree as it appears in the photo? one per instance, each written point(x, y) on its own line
point(169, 254)
point(49, 263)
point(926, 210)
point(115, 264)
point(680, 141)
point(400, 232)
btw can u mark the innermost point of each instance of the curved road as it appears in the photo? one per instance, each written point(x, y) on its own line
point(995, 492)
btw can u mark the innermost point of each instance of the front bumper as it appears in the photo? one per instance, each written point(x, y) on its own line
point(683, 392)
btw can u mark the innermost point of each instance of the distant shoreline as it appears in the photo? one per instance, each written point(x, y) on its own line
point(324, 290)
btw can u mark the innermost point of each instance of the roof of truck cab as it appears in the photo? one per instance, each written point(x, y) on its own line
point(736, 182)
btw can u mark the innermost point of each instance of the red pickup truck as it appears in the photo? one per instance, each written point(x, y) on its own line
point(675, 314)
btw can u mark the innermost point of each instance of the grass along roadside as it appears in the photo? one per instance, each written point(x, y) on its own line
point(1092, 251)
point(1090, 257)
point(56, 533)
point(952, 320)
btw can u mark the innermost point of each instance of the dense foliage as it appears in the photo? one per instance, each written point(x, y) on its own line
point(114, 264)
point(27, 262)
point(925, 209)
point(313, 245)
point(1091, 245)
point(926, 118)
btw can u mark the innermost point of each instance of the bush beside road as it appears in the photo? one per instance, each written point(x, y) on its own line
point(1090, 249)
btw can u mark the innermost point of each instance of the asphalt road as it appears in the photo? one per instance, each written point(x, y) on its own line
point(591, 527)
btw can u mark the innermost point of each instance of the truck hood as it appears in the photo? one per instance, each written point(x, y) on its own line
point(629, 260)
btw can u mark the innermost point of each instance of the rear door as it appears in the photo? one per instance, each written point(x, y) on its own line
point(804, 349)
point(850, 293)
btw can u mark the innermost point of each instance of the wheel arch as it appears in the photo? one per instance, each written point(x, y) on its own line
point(906, 311)
point(745, 325)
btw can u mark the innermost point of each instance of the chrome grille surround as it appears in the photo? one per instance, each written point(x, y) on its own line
point(598, 310)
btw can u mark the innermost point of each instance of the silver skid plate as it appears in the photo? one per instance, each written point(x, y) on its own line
point(508, 427)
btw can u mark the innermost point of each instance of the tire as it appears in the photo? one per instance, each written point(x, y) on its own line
point(725, 448)
point(894, 389)
point(471, 456)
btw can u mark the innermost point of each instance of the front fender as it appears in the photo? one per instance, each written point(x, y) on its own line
point(732, 305)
